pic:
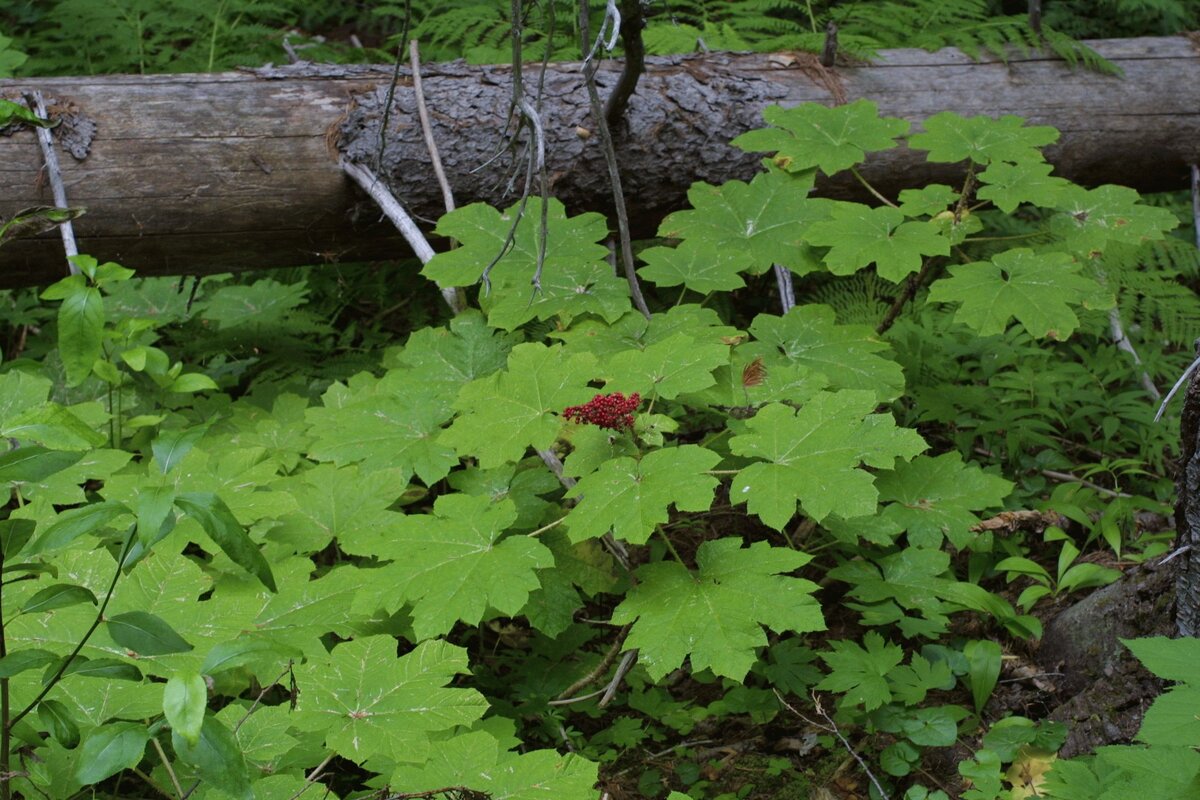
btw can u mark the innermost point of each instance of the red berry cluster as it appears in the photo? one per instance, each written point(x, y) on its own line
point(613, 411)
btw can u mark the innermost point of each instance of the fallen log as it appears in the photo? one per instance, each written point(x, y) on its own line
point(192, 174)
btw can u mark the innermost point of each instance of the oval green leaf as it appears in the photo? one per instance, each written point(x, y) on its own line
point(217, 758)
point(224, 529)
point(145, 634)
point(57, 720)
point(102, 668)
point(14, 535)
point(80, 332)
point(110, 749)
point(184, 699)
point(34, 463)
point(21, 660)
point(72, 524)
point(60, 595)
point(231, 655)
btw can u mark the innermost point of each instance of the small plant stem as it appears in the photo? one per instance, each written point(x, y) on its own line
point(50, 684)
point(908, 292)
point(670, 544)
point(37, 104)
point(312, 776)
point(1003, 238)
point(150, 782)
point(166, 762)
point(721, 471)
point(610, 159)
point(874, 192)
point(545, 528)
point(568, 695)
point(5, 728)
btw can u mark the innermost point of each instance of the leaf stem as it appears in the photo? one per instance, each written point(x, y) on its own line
point(5, 729)
point(875, 192)
point(167, 765)
point(50, 684)
point(670, 545)
point(545, 528)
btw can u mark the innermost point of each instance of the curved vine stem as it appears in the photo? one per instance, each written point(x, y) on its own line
point(50, 684)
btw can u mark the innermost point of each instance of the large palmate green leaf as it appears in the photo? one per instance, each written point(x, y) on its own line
point(859, 235)
point(935, 497)
point(831, 138)
point(814, 456)
point(441, 360)
point(454, 565)
point(667, 368)
point(716, 614)
point(1038, 289)
point(951, 137)
point(1009, 185)
point(848, 356)
point(631, 497)
point(576, 277)
point(389, 423)
point(477, 761)
point(1092, 218)
point(750, 226)
point(505, 413)
point(368, 701)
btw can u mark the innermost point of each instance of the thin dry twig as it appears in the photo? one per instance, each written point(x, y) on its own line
point(832, 727)
point(435, 157)
point(787, 293)
point(457, 302)
point(567, 696)
point(395, 212)
point(610, 157)
point(37, 104)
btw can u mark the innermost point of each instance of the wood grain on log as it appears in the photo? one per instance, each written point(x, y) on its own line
point(208, 173)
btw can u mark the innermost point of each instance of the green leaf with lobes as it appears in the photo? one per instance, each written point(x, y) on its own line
point(694, 265)
point(715, 614)
point(476, 759)
point(950, 137)
point(223, 528)
point(631, 497)
point(667, 368)
point(858, 236)
point(860, 673)
point(849, 356)
point(576, 277)
point(505, 413)
point(751, 226)
point(392, 422)
point(366, 701)
point(813, 456)
point(932, 497)
point(832, 138)
point(1038, 289)
point(1091, 218)
point(455, 564)
point(1009, 185)
point(185, 697)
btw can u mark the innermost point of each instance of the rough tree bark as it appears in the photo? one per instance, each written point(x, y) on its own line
point(204, 173)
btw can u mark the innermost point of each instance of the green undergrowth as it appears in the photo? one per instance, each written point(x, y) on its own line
point(254, 543)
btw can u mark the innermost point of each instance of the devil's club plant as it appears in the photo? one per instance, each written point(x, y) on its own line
point(551, 520)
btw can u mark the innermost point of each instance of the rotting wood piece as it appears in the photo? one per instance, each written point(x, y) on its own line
point(208, 173)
